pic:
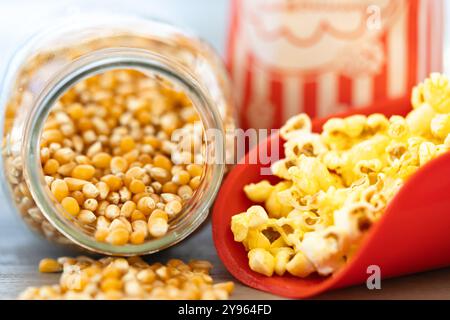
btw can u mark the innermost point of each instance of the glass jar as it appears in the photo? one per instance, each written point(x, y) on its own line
point(57, 59)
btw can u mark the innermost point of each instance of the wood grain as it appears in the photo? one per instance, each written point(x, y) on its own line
point(20, 252)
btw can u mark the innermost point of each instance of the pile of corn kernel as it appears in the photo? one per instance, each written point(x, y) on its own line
point(336, 184)
point(110, 160)
point(119, 278)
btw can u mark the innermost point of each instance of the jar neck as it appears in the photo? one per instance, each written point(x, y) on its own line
point(194, 212)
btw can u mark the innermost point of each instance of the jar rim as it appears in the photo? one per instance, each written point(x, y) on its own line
point(99, 61)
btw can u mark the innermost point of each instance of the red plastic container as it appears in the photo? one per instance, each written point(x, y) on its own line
point(412, 235)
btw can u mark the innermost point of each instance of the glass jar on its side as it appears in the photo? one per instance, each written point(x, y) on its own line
point(56, 60)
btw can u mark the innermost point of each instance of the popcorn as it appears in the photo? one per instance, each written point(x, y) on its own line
point(338, 183)
point(258, 192)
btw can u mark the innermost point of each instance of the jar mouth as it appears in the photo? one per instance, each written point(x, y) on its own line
point(194, 211)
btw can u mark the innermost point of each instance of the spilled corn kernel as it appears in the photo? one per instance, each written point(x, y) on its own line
point(133, 278)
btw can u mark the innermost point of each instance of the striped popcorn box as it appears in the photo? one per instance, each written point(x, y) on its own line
point(323, 56)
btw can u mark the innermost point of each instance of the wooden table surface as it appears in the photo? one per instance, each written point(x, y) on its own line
point(20, 252)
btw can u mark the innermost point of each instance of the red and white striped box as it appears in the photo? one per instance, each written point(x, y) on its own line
point(323, 56)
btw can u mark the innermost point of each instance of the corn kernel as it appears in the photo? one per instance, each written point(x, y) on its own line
point(182, 177)
point(114, 182)
point(118, 164)
point(51, 167)
point(112, 211)
point(70, 205)
point(195, 182)
point(101, 160)
point(173, 208)
point(157, 227)
point(86, 217)
point(137, 186)
point(75, 184)
point(194, 170)
point(83, 172)
point(59, 189)
point(146, 205)
point(127, 144)
point(49, 266)
point(118, 237)
point(90, 190)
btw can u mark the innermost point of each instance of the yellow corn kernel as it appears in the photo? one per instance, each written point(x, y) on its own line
point(118, 164)
point(51, 167)
point(101, 160)
point(258, 192)
point(157, 227)
point(49, 266)
point(70, 205)
point(112, 211)
point(59, 189)
point(75, 184)
point(160, 174)
point(83, 172)
point(300, 266)
point(146, 276)
point(194, 170)
point(101, 235)
point(135, 173)
point(127, 144)
point(90, 190)
point(158, 213)
point(137, 237)
point(110, 284)
point(103, 189)
point(161, 161)
point(140, 225)
point(227, 286)
point(137, 186)
point(261, 261)
point(185, 192)
point(153, 141)
point(75, 111)
point(64, 155)
point(146, 205)
point(138, 215)
point(86, 216)
point(195, 182)
point(52, 135)
point(170, 187)
point(118, 236)
point(66, 169)
point(79, 196)
point(114, 182)
point(173, 207)
point(182, 177)
point(120, 223)
point(127, 209)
